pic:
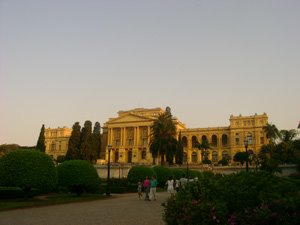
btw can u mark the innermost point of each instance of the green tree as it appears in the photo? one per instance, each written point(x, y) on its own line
point(163, 140)
point(86, 142)
point(240, 157)
point(74, 143)
point(96, 142)
point(272, 132)
point(288, 135)
point(28, 169)
point(179, 151)
point(204, 146)
point(41, 141)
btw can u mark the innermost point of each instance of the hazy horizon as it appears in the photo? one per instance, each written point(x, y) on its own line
point(67, 61)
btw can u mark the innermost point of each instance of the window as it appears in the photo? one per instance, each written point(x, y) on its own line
point(184, 141)
point(194, 142)
point(144, 154)
point(116, 156)
point(224, 155)
point(262, 140)
point(215, 156)
point(184, 157)
point(194, 157)
point(53, 146)
point(224, 139)
point(214, 140)
point(129, 156)
point(237, 141)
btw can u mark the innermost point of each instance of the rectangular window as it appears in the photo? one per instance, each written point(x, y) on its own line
point(262, 140)
point(237, 141)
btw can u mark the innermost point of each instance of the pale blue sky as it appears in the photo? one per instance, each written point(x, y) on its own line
point(63, 61)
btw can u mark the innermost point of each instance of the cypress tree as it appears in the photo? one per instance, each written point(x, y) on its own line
point(96, 137)
point(86, 141)
point(74, 143)
point(41, 141)
point(179, 150)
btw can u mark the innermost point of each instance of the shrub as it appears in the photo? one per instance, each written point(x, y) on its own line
point(137, 173)
point(28, 169)
point(162, 174)
point(244, 198)
point(78, 176)
point(178, 173)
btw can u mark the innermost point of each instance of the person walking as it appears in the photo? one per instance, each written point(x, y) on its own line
point(147, 188)
point(139, 189)
point(170, 185)
point(153, 184)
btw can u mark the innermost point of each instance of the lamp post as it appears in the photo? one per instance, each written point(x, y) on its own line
point(108, 172)
point(246, 147)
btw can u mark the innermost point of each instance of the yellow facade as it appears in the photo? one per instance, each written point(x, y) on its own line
point(57, 140)
point(226, 141)
point(129, 136)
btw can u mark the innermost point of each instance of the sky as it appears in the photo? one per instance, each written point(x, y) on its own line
point(63, 61)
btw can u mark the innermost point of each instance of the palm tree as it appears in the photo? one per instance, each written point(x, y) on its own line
point(163, 140)
point(204, 146)
point(288, 135)
point(272, 132)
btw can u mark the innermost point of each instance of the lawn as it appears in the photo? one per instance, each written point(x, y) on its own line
point(50, 199)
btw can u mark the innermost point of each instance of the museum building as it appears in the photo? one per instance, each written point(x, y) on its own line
point(129, 136)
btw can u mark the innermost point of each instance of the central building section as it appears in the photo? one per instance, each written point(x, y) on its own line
point(129, 135)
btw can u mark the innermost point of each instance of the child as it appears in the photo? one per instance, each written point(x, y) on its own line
point(139, 189)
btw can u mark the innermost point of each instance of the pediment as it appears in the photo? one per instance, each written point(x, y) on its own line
point(129, 118)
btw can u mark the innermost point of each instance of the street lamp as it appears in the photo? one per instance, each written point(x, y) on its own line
point(108, 172)
point(187, 166)
point(246, 142)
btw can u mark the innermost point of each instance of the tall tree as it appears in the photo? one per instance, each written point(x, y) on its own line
point(41, 141)
point(272, 132)
point(179, 150)
point(96, 142)
point(86, 141)
point(288, 135)
point(74, 143)
point(163, 137)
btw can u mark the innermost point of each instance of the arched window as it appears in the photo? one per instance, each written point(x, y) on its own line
point(214, 140)
point(184, 157)
point(194, 142)
point(184, 141)
point(129, 156)
point(225, 155)
point(224, 140)
point(204, 138)
point(194, 157)
point(215, 156)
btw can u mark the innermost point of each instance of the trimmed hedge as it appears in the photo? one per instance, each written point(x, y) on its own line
point(28, 169)
point(137, 173)
point(162, 174)
point(78, 176)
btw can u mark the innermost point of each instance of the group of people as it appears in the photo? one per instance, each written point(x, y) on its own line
point(149, 186)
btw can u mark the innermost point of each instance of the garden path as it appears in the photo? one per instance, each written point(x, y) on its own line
point(121, 209)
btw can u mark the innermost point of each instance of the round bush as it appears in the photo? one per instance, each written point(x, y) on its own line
point(137, 173)
point(163, 174)
point(78, 176)
point(178, 173)
point(28, 169)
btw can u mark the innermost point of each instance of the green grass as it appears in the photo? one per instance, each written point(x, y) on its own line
point(50, 199)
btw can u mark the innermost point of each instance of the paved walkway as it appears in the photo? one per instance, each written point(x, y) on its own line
point(125, 209)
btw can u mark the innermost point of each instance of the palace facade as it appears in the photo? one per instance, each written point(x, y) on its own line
point(128, 134)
